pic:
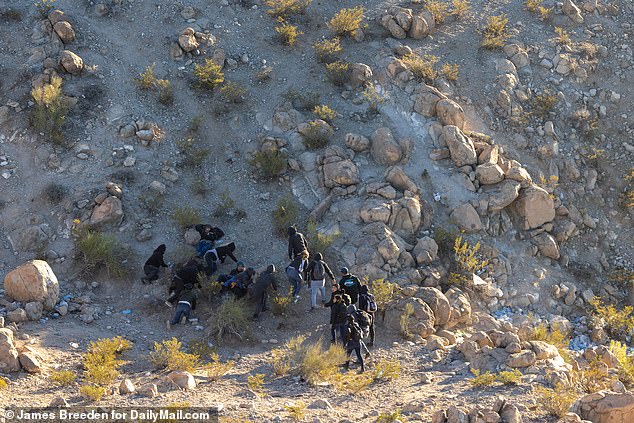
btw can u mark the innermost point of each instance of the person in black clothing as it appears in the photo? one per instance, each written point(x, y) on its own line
point(214, 255)
point(363, 305)
point(297, 245)
point(239, 284)
point(354, 342)
point(240, 267)
point(338, 318)
point(186, 303)
point(208, 232)
point(334, 290)
point(350, 283)
point(261, 287)
point(153, 264)
point(183, 277)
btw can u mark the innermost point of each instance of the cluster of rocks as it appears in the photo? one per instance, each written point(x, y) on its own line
point(403, 23)
point(603, 407)
point(502, 411)
point(14, 359)
point(191, 41)
point(144, 130)
point(51, 37)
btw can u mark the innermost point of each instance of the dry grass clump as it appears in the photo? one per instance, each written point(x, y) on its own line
point(628, 195)
point(286, 8)
point(233, 92)
point(256, 383)
point(563, 37)
point(421, 66)
point(92, 393)
point(287, 33)
point(270, 163)
point(4, 384)
point(101, 250)
point(101, 363)
point(509, 377)
point(495, 32)
point(216, 369)
point(44, 7)
point(316, 135)
point(281, 303)
point(168, 355)
point(296, 411)
point(325, 113)
point(209, 74)
point(49, 112)
point(544, 103)
point(407, 314)
point(556, 401)
point(284, 215)
point(147, 80)
point(346, 21)
point(338, 72)
point(438, 9)
point(186, 216)
point(318, 241)
point(482, 379)
point(230, 318)
point(191, 151)
point(466, 261)
point(328, 50)
point(63, 377)
point(450, 71)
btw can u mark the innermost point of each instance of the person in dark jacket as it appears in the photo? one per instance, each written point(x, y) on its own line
point(214, 255)
point(317, 272)
point(239, 284)
point(261, 287)
point(334, 290)
point(240, 267)
point(351, 284)
point(185, 276)
point(152, 266)
point(297, 246)
point(363, 305)
point(338, 318)
point(294, 272)
point(354, 342)
point(208, 232)
point(186, 303)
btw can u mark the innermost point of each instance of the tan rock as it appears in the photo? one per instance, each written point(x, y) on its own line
point(606, 407)
point(544, 350)
point(399, 179)
point(71, 62)
point(149, 390)
point(357, 143)
point(182, 379)
point(535, 207)
point(438, 303)
point(419, 28)
point(523, 359)
point(187, 40)
point(33, 281)
point(502, 195)
point(126, 387)
point(489, 174)
point(17, 316)
point(460, 146)
point(341, 172)
point(384, 148)
point(55, 16)
point(108, 212)
point(65, 31)
point(425, 251)
point(546, 245)
point(29, 362)
point(450, 113)
point(571, 10)
point(421, 322)
point(360, 74)
point(9, 361)
point(192, 236)
point(426, 99)
point(467, 218)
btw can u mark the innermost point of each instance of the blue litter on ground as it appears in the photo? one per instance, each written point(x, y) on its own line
point(579, 343)
point(504, 313)
point(126, 312)
point(67, 297)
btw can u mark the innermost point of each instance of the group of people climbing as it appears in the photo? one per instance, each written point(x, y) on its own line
point(352, 306)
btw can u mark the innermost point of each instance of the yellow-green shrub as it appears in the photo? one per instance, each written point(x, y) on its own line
point(216, 369)
point(49, 113)
point(97, 249)
point(100, 361)
point(230, 318)
point(286, 8)
point(288, 33)
point(92, 393)
point(482, 379)
point(284, 214)
point(346, 21)
point(209, 74)
point(296, 411)
point(495, 32)
point(63, 377)
point(556, 401)
point(324, 112)
point(168, 355)
point(509, 377)
point(450, 71)
point(338, 72)
point(421, 66)
point(270, 163)
point(186, 216)
point(618, 322)
point(438, 9)
point(256, 383)
point(327, 50)
point(460, 7)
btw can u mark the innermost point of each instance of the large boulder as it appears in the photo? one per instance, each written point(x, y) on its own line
point(399, 179)
point(110, 211)
point(546, 245)
point(521, 359)
point(31, 238)
point(426, 98)
point(384, 149)
point(419, 28)
point(466, 218)
point(425, 251)
point(360, 74)
point(64, 31)
point(9, 361)
point(534, 207)
point(33, 281)
point(71, 62)
point(572, 11)
point(502, 195)
point(460, 307)
point(460, 146)
point(489, 173)
point(606, 407)
point(421, 322)
point(182, 379)
point(450, 113)
point(357, 143)
point(438, 303)
point(338, 169)
point(29, 362)
point(406, 215)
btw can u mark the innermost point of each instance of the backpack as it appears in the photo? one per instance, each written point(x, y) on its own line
point(319, 272)
point(203, 246)
point(370, 303)
point(350, 281)
point(355, 332)
point(363, 319)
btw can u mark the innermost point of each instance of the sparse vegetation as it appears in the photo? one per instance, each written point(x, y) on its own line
point(466, 261)
point(346, 21)
point(618, 322)
point(495, 32)
point(390, 417)
point(405, 320)
point(44, 7)
point(186, 216)
point(147, 80)
point(509, 377)
point(55, 193)
point(556, 401)
point(230, 318)
point(3, 384)
point(256, 383)
point(318, 241)
point(100, 361)
point(233, 92)
point(387, 370)
point(338, 72)
point(461, 7)
point(563, 37)
point(421, 66)
point(49, 112)
point(92, 393)
point(193, 154)
point(316, 135)
point(535, 6)
point(626, 368)
point(63, 377)
point(438, 9)
point(296, 411)
point(450, 71)
point(209, 74)
point(101, 250)
point(286, 8)
point(327, 51)
point(281, 303)
point(199, 187)
point(216, 369)
point(284, 215)
point(304, 100)
point(168, 355)
point(374, 96)
point(287, 33)
point(554, 336)
point(325, 113)
point(384, 293)
point(270, 163)
point(482, 379)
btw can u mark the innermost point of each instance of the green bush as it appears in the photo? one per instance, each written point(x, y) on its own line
point(102, 250)
point(509, 377)
point(270, 163)
point(101, 363)
point(209, 74)
point(168, 355)
point(231, 318)
point(284, 215)
point(49, 112)
point(233, 92)
point(346, 21)
point(482, 379)
point(186, 216)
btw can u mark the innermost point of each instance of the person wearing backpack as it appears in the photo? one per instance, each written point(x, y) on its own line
point(317, 271)
point(338, 316)
point(367, 303)
point(152, 266)
point(354, 342)
point(350, 284)
point(260, 289)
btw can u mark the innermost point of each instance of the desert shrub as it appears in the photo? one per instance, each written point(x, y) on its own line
point(618, 323)
point(405, 320)
point(482, 379)
point(284, 215)
point(209, 74)
point(147, 79)
point(628, 197)
point(318, 363)
point(533, 5)
point(304, 100)
point(374, 96)
point(286, 8)
point(216, 369)
point(195, 123)
point(460, 7)
point(233, 92)
point(63, 377)
point(44, 7)
point(438, 9)
point(563, 37)
point(509, 377)
point(592, 378)
point(270, 163)
point(101, 250)
point(317, 241)
point(296, 411)
point(384, 293)
point(390, 417)
point(165, 91)
point(168, 355)
point(11, 15)
point(325, 113)
point(387, 370)
point(316, 135)
point(100, 361)
point(92, 392)
point(338, 72)
point(186, 216)
point(590, 50)
point(281, 303)
point(287, 33)
point(55, 193)
point(230, 318)
point(466, 261)
point(285, 358)
point(553, 336)
point(450, 71)
point(4, 384)
point(346, 21)
point(544, 12)
point(495, 32)
point(191, 151)
point(256, 383)
point(421, 66)
point(199, 187)
point(328, 50)
point(152, 202)
point(555, 401)
point(49, 112)
point(200, 347)
point(626, 368)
